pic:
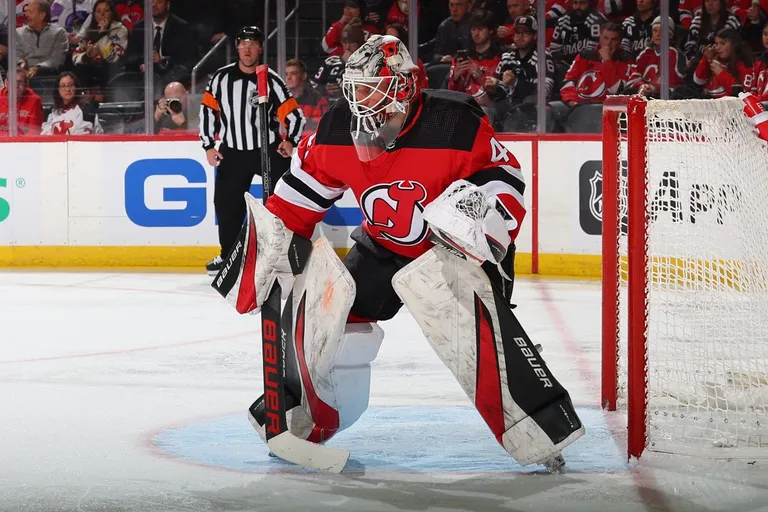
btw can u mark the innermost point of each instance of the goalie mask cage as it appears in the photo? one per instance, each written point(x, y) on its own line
point(685, 276)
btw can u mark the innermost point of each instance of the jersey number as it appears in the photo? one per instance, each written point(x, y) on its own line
point(498, 151)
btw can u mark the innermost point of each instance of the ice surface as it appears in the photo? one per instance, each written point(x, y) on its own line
point(127, 392)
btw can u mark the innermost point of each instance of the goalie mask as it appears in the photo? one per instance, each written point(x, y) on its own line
point(378, 83)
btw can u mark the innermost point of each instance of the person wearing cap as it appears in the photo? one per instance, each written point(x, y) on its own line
point(646, 73)
point(516, 76)
point(327, 79)
point(515, 9)
point(637, 28)
point(228, 111)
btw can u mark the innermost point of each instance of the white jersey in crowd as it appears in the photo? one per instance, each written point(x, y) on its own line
point(70, 121)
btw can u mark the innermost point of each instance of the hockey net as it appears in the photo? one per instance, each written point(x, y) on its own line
point(685, 276)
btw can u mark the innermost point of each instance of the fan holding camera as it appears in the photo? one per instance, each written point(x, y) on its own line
point(171, 109)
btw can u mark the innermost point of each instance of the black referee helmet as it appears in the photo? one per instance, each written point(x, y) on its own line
point(251, 33)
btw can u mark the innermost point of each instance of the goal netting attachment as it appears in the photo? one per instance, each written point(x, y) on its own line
point(685, 276)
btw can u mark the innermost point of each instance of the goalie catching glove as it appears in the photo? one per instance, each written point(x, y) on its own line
point(470, 223)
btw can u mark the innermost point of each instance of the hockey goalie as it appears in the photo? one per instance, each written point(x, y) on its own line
point(442, 202)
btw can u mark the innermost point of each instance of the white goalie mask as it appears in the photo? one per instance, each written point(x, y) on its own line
point(378, 83)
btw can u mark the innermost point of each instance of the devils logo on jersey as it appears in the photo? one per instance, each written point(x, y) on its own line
point(591, 86)
point(394, 211)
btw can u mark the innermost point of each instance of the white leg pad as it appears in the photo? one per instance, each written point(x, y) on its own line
point(351, 372)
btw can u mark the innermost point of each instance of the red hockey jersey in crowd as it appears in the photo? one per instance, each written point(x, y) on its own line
point(647, 68)
point(466, 82)
point(29, 113)
point(331, 41)
point(721, 85)
point(760, 83)
point(589, 79)
point(447, 139)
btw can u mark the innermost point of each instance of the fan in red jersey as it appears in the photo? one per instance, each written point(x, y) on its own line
point(425, 167)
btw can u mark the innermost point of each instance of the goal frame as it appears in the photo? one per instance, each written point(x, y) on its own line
point(637, 264)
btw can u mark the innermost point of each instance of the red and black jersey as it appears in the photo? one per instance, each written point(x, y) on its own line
point(331, 41)
point(717, 86)
point(760, 83)
point(447, 139)
point(575, 35)
point(636, 33)
point(313, 105)
point(647, 68)
point(487, 61)
point(589, 79)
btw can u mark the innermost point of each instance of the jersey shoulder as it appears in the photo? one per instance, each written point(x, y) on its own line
point(334, 127)
point(448, 120)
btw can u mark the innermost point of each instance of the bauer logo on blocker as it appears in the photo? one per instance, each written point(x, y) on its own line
point(169, 192)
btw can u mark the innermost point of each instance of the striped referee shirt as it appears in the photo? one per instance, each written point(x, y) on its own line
point(229, 110)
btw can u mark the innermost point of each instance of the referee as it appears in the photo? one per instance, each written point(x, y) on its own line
point(229, 110)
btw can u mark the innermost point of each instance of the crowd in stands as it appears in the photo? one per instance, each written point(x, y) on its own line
point(74, 56)
point(594, 48)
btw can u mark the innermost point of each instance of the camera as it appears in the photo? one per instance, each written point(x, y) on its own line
point(174, 105)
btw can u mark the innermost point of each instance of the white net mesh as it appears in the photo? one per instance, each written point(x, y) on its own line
point(707, 298)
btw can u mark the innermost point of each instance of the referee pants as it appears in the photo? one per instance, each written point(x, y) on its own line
point(233, 179)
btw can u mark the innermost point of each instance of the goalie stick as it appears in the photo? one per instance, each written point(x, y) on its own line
point(280, 440)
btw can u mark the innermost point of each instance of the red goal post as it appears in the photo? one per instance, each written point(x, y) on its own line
point(685, 296)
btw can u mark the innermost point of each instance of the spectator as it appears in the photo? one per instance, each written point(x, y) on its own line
point(469, 72)
point(689, 9)
point(713, 18)
point(576, 31)
point(29, 112)
point(3, 33)
point(385, 12)
point(615, 10)
point(172, 44)
point(637, 28)
point(497, 8)
point(399, 31)
point(454, 33)
point(102, 45)
point(311, 102)
point(43, 46)
point(331, 42)
point(171, 110)
point(516, 75)
point(760, 69)
point(328, 76)
point(595, 74)
point(754, 20)
point(556, 9)
point(723, 67)
point(71, 15)
point(515, 9)
point(71, 115)
point(646, 74)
